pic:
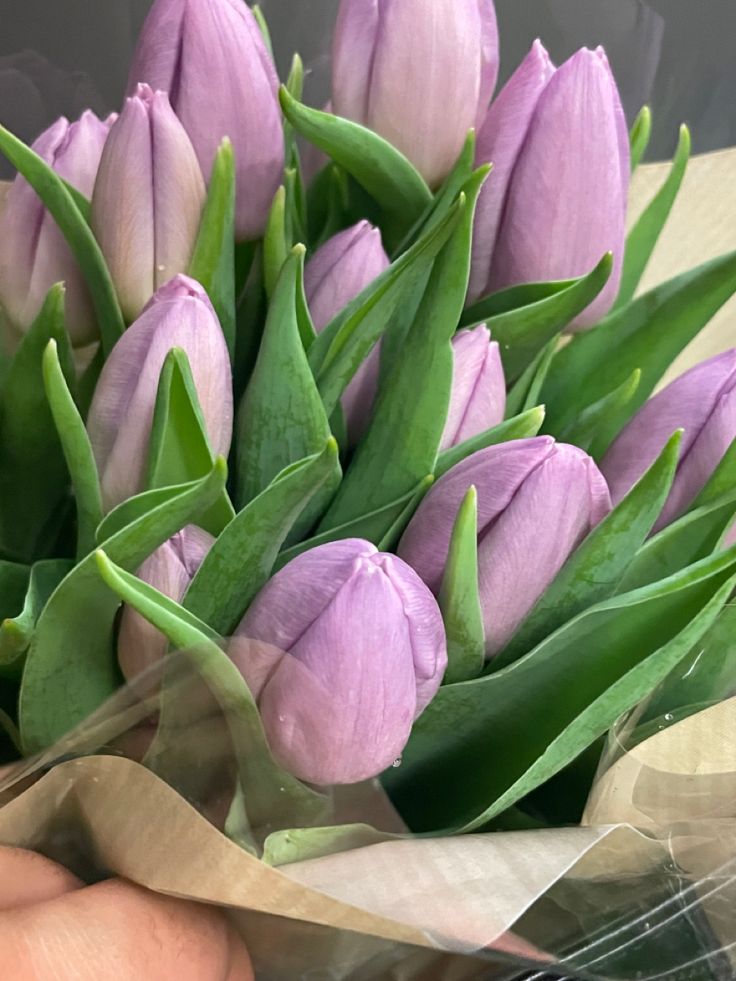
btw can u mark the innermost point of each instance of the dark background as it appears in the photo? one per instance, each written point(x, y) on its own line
point(60, 56)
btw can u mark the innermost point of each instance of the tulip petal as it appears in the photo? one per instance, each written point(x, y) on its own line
point(478, 398)
point(567, 200)
point(488, 55)
point(522, 552)
point(353, 51)
point(500, 139)
point(497, 472)
point(157, 57)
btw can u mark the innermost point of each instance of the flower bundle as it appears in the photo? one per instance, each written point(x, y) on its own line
point(378, 450)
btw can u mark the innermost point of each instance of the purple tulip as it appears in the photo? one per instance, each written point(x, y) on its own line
point(169, 569)
point(359, 654)
point(335, 275)
point(420, 74)
point(537, 501)
point(478, 400)
point(180, 315)
point(148, 199)
point(564, 193)
point(500, 140)
point(210, 57)
point(33, 252)
point(702, 402)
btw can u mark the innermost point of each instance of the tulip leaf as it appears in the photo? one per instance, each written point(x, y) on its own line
point(52, 190)
point(459, 598)
point(404, 435)
point(328, 200)
point(524, 393)
point(377, 526)
point(272, 796)
point(179, 450)
point(595, 569)
point(19, 620)
point(347, 340)
point(241, 560)
point(512, 298)
point(304, 844)
point(296, 201)
point(597, 424)
point(14, 580)
point(281, 419)
point(692, 537)
point(647, 334)
point(275, 246)
point(644, 235)
point(721, 482)
point(380, 168)
point(213, 260)
point(485, 744)
point(70, 666)
point(33, 473)
point(260, 18)
point(523, 426)
point(77, 450)
point(639, 136)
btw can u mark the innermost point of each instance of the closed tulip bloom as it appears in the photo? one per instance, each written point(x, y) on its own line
point(419, 74)
point(169, 569)
point(148, 199)
point(537, 501)
point(500, 140)
point(33, 252)
point(702, 402)
point(210, 57)
point(180, 315)
point(364, 653)
point(335, 275)
point(566, 202)
point(478, 399)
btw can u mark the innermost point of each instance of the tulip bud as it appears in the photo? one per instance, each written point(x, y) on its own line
point(478, 399)
point(702, 402)
point(120, 417)
point(335, 275)
point(361, 653)
point(500, 139)
point(148, 199)
point(33, 252)
point(537, 501)
point(420, 74)
point(210, 57)
point(566, 201)
point(169, 569)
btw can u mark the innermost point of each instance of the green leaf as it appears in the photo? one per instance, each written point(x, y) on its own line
point(77, 450)
point(692, 537)
point(598, 424)
point(524, 332)
point(213, 261)
point(459, 598)
point(639, 136)
point(33, 473)
point(295, 81)
point(512, 298)
point(524, 393)
point(303, 844)
point(346, 341)
point(14, 579)
point(275, 246)
point(644, 235)
point(721, 482)
point(271, 794)
point(179, 450)
point(379, 526)
point(594, 570)
point(483, 745)
point(263, 27)
point(328, 200)
point(241, 560)
point(380, 168)
point(522, 426)
point(71, 667)
point(409, 417)
point(281, 419)
point(19, 621)
point(648, 334)
point(63, 208)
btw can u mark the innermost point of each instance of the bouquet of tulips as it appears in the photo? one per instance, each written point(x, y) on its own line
point(356, 407)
